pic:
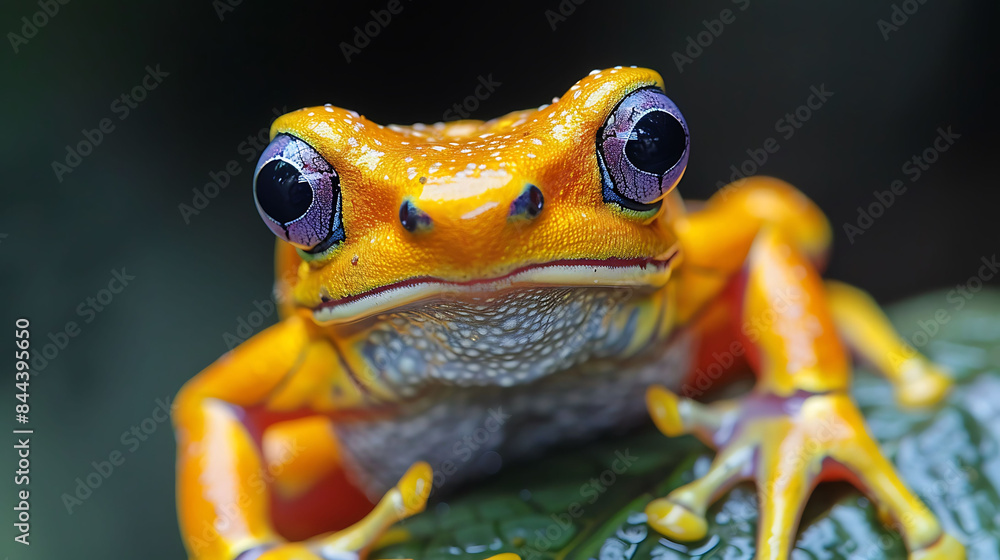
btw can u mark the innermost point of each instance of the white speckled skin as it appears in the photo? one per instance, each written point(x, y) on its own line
point(509, 375)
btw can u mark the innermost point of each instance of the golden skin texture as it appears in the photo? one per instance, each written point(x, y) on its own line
point(471, 173)
point(264, 410)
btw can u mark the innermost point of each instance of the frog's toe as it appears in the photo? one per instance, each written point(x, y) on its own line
point(664, 408)
point(681, 515)
point(946, 548)
point(407, 498)
point(922, 384)
point(675, 415)
point(676, 520)
point(414, 489)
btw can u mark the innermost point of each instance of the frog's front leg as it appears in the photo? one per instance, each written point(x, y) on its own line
point(798, 427)
point(224, 512)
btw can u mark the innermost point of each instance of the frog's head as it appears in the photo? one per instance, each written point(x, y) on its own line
point(392, 217)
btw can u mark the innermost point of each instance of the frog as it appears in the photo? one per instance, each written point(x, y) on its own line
point(455, 293)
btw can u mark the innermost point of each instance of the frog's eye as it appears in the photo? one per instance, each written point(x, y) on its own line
point(642, 149)
point(298, 194)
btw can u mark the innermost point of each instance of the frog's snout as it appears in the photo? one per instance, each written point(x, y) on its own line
point(526, 205)
point(467, 225)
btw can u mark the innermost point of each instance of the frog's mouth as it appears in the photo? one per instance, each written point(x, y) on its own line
point(649, 272)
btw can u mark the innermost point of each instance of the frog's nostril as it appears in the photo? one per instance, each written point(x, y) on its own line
point(528, 204)
point(413, 218)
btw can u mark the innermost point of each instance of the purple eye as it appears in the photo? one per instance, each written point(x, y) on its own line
point(298, 194)
point(642, 149)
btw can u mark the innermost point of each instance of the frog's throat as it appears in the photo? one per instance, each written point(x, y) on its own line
point(512, 338)
point(591, 273)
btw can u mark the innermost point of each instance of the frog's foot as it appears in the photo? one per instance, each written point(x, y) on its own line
point(787, 446)
point(407, 498)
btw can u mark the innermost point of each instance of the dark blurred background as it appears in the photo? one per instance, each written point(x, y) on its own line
point(223, 67)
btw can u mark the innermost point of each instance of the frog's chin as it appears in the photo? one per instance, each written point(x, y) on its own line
point(632, 273)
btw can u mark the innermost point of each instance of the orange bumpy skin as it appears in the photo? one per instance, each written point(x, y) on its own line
point(422, 266)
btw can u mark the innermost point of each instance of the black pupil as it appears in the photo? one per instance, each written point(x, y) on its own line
point(657, 143)
point(282, 191)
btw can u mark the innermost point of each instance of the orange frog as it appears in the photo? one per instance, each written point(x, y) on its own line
point(538, 275)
